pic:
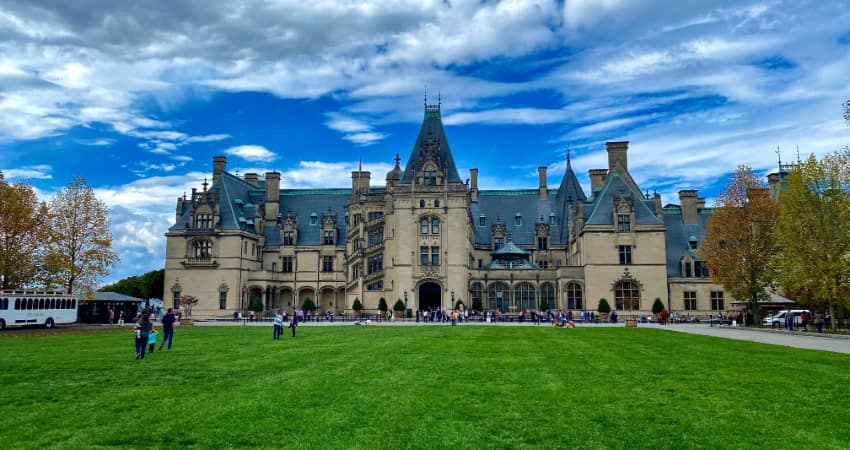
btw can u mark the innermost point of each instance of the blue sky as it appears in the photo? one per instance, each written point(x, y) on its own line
point(139, 97)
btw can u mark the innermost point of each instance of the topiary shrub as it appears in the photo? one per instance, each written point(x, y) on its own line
point(477, 304)
point(357, 306)
point(603, 307)
point(308, 305)
point(256, 304)
point(382, 305)
point(657, 307)
point(399, 306)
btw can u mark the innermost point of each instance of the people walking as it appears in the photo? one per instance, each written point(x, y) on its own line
point(278, 326)
point(143, 329)
point(167, 328)
point(293, 324)
point(111, 316)
point(121, 319)
point(152, 340)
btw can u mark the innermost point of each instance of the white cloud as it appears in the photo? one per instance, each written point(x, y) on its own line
point(354, 130)
point(252, 153)
point(40, 171)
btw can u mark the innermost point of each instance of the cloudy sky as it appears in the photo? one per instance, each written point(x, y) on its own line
point(138, 96)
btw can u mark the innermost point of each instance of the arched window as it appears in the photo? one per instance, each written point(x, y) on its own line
point(547, 292)
point(627, 295)
point(476, 292)
point(574, 296)
point(524, 297)
point(498, 297)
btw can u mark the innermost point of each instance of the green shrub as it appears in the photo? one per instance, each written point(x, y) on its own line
point(256, 304)
point(399, 305)
point(357, 306)
point(382, 305)
point(308, 305)
point(477, 304)
point(603, 307)
point(544, 305)
point(657, 307)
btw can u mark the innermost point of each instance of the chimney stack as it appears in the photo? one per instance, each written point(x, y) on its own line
point(597, 179)
point(252, 179)
point(219, 167)
point(617, 153)
point(272, 197)
point(473, 189)
point(688, 200)
point(543, 192)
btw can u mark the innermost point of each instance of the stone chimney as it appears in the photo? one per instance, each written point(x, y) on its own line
point(617, 153)
point(597, 179)
point(252, 179)
point(272, 197)
point(219, 167)
point(180, 202)
point(700, 203)
point(543, 192)
point(773, 181)
point(360, 181)
point(688, 200)
point(659, 210)
point(473, 188)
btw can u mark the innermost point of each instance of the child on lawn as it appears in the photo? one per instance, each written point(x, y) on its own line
point(152, 340)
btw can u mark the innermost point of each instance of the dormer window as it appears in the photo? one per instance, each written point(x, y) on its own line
point(624, 223)
point(482, 220)
point(314, 219)
point(551, 218)
point(692, 243)
point(203, 221)
point(518, 220)
point(288, 238)
point(430, 178)
point(329, 238)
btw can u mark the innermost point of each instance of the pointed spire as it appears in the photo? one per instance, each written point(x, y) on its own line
point(568, 156)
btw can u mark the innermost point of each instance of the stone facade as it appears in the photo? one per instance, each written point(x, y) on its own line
point(429, 239)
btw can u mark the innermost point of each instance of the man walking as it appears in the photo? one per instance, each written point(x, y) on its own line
point(167, 329)
point(278, 325)
point(293, 324)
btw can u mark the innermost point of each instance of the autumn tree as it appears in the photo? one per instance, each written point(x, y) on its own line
point(21, 233)
point(79, 246)
point(813, 231)
point(739, 241)
point(188, 302)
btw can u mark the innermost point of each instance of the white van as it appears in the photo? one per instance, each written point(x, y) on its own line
point(780, 319)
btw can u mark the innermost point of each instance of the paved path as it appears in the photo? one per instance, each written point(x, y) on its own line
point(838, 344)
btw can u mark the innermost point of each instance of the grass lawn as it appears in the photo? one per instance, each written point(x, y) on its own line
point(396, 387)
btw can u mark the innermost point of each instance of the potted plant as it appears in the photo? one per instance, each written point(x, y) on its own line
point(187, 302)
point(604, 309)
point(357, 307)
point(399, 308)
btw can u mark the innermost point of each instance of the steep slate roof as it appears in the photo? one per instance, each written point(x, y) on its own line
point(432, 127)
point(601, 210)
point(505, 205)
point(677, 234)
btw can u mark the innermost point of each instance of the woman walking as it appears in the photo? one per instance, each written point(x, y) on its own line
point(143, 329)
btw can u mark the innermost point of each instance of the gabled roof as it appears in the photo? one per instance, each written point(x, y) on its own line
point(431, 133)
point(677, 234)
point(508, 250)
point(601, 211)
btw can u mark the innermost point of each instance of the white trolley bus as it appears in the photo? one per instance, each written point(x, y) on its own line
point(46, 308)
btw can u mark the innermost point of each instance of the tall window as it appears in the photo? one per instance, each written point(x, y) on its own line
point(424, 254)
point(524, 297)
point(627, 296)
point(436, 203)
point(314, 219)
point(430, 178)
point(329, 238)
point(518, 219)
point(375, 264)
point(175, 299)
point(625, 254)
point(203, 249)
point(690, 298)
point(435, 226)
point(477, 293)
point(288, 238)
point(375, 215)
point(717, 300)
point(203, 221)
point(498, 243)
point(423, 226)
point(222, 300)
point(498, 297)
point(376, 286)
point(574, 296)
point(435, 256)
point(547, 292)
point(327, 264)
point(376, 236)
point(700, 270)
point(286, 264)
point(542, 243)
point(624, 223)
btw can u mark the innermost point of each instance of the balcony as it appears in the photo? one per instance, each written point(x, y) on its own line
point(200, 262)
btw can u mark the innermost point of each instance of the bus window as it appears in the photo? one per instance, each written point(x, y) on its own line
point(17, 303)
point(29, 303)
point(73, 303)
point(63, 304)
point(40, 303)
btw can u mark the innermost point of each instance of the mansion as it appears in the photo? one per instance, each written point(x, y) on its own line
point(430, 239)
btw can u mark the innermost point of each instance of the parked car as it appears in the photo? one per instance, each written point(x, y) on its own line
point(780, 319)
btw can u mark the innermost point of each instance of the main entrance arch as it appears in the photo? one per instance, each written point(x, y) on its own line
point(430, 296)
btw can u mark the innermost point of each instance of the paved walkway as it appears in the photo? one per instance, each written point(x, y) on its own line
point(838, 344)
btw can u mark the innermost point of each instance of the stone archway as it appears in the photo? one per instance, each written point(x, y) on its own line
point(430, 296)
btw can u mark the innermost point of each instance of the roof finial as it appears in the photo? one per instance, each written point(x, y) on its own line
point(397, 159)
point(568, 155)
point(798, 153)
point(205, 184)
point(426, 96)
point(779, 157)
point(439, 99)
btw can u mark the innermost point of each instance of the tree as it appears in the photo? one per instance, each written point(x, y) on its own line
point(847, 112)
point(188, 302)
point(22, 234)
point(739, 241)
point(148, 285)
point(308, 305)
point(382, 305)
point(544, 305)
point(603, 306)
point(399, 305)
point(477, 304)
point(657, 306)
point(357, 306)
point(813, 231)
point(79, 243)
point(256, 304)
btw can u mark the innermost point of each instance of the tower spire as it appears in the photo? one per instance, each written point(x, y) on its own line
point(568, 156)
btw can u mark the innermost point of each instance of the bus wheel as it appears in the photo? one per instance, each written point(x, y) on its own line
point(48, 323)
point(2, 324)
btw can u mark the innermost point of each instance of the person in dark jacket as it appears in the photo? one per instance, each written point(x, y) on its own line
point(143, 329)
point(293, 324)
point(167, 328)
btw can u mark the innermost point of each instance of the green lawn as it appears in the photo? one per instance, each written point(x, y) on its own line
point(396, 387)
